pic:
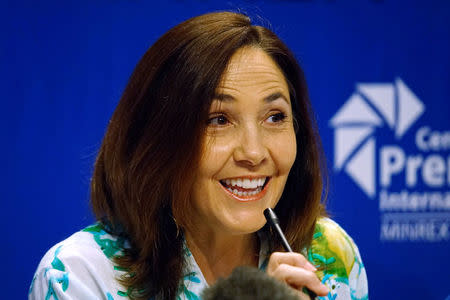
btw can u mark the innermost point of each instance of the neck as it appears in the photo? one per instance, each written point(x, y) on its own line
point(217, 254)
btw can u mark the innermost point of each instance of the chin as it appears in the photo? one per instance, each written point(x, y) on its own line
point(247, 225)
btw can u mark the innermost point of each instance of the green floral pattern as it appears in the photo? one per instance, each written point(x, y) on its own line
point(332, 251)
point(109, 246)
point(337, 258)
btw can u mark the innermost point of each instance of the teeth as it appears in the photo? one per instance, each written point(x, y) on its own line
point(246, 183)
point(246, 193)
point(252, 186)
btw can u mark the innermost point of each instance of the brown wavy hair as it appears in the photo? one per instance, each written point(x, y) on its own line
point(143, 173)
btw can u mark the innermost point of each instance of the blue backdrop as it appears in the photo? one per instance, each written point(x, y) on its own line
point(378, 73)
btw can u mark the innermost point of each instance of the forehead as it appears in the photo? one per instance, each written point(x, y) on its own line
point(250, 67)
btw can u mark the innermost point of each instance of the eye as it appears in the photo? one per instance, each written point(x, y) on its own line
point(277, 118)
point(219, 120)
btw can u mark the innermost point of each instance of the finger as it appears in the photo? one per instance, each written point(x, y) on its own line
point(290, 258)
point(299, 278)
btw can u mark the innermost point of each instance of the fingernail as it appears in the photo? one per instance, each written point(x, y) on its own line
point(312, 266)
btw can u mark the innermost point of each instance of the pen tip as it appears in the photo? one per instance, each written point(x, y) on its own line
point(270, 215)
point(267, 213)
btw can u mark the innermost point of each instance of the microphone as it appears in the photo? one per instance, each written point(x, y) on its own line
point(249, 283)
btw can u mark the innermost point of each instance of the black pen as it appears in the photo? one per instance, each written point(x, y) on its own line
point(273, 221)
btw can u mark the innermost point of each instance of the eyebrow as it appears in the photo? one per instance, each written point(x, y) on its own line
point(268, 99)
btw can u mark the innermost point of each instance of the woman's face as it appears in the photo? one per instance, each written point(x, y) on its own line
point(249, 146)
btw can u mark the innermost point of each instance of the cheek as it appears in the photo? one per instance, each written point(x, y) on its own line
point(285, 152)
point(215, 154)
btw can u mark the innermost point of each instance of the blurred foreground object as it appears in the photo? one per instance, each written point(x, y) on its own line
point(246, 283)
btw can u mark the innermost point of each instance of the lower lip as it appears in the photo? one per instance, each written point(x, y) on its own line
point(255, 197)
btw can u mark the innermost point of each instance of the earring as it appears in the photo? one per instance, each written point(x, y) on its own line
point(177, 226)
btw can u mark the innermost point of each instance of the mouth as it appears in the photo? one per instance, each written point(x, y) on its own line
point(246, 189)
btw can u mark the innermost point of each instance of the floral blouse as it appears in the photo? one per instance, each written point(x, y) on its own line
point(81, 267)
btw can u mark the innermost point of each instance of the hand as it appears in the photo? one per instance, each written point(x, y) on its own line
point(295, 270)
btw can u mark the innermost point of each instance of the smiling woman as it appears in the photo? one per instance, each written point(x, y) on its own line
point(214, 127)
point(249, 147)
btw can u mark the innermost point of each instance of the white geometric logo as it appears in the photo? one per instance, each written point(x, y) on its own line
point(371, 105)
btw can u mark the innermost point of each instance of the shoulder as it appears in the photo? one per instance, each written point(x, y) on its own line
point(338, 259)
point(331, 240)
point(79, 267)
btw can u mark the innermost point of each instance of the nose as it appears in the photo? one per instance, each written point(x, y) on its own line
point(251, 150)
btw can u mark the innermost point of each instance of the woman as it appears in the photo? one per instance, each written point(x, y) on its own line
point(214, 126)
